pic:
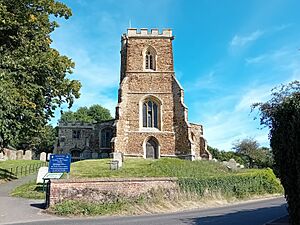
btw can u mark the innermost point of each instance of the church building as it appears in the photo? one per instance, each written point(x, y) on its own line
point(151, 118)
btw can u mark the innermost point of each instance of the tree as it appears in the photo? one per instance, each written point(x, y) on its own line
point(33, 76)
point(245, 146)
point(256, 156)
point(281, 114)
point(95, 113)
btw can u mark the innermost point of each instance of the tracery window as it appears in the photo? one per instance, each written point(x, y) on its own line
point(106, 136)
point(150, 114)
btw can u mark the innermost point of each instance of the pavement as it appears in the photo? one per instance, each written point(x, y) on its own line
point(15, 210)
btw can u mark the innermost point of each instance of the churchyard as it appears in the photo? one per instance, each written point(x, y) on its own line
point(94, 189)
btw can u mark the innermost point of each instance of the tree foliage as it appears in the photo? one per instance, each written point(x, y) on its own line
point(33, 76)
point(255, 156)
point(95, 113)
point(281, 114)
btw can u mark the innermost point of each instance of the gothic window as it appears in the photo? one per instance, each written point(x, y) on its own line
point(150, 61)
point(76, 134)
point(106, 136)
point(150, 114)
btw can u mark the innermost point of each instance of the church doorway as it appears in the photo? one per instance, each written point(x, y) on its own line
point(152, 149)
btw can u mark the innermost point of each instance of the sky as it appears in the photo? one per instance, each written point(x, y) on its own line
point(228, 54)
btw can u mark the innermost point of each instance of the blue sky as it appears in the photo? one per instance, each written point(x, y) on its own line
point(228, 54)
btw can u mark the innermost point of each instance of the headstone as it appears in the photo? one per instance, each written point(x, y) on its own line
point(13, 155)
point(95, 155)
point(19, 154)
point(48, 156)
point(242, 166)
point(43, 156)
point(215, 160)
point(42, 172)
point(114, 164)
point(1, 156)
point(117, 156)
point(232, 164)
point(28, 155)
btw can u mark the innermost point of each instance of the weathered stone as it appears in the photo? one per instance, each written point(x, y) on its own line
point(232, 164)
point(108, 190)
point(13, 155)
point(142, 81)
point(1, 155)
point(48, 156)
point(41, 173)
point(19, 154)
point(28, 155)
point(117, 156)
point(43, 156)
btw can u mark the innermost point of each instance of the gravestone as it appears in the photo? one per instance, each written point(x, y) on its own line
point(48, 156)
point(42, 172)
point(28, 155)
point(232, 164)
point(13, 155)
point(19, 154)
point(1, 156)
point(43, 156)
point(117, 156)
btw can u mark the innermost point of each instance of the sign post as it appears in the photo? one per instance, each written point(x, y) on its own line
point(58, 164)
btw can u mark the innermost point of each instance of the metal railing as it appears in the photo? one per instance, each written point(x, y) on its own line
point(20, 171)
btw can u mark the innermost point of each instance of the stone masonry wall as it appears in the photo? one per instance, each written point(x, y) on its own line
point(138, 84)
point(106, 190)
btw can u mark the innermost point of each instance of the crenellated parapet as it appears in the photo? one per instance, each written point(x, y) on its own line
point(76, 125)
point(153, 33)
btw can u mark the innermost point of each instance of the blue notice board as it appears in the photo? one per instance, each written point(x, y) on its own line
point(59, 163)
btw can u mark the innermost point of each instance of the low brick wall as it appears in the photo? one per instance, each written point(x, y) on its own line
point(107, 189)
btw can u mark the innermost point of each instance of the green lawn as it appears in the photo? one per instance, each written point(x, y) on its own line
point(165, 167)
point(12, 169)
point(30, 190)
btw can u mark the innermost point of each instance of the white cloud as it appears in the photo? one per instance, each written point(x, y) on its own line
point(254, 95)
point(240, 41)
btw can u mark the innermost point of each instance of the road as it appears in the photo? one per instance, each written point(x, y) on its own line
point(250, 213)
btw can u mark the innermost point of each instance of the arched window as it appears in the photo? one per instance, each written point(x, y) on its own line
point(150, 59)
point(106, 136)
point(150, 114)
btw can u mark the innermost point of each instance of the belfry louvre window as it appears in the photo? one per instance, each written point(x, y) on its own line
point(150, 58)
point(150, 114)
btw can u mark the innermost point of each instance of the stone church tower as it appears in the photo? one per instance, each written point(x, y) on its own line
point(151, 117)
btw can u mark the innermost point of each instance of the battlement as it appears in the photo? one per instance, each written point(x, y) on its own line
point(153, 33)
point(80, 125)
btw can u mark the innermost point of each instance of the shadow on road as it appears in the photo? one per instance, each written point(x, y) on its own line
point(254, 217)
point(38, 205)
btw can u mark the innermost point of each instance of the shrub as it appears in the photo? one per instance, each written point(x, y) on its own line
point(256, 182)
point(282, 115)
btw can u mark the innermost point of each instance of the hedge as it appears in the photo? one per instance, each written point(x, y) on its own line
point(256, 182)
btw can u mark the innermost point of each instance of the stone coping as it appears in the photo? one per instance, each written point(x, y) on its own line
point(97, 180)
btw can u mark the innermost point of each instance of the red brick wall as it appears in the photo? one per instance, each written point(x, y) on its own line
point(107, 189)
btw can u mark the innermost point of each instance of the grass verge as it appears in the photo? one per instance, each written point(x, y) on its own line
point(30, 190)
point(13, 169)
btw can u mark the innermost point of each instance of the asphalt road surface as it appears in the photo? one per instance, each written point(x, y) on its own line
point(250, 213)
